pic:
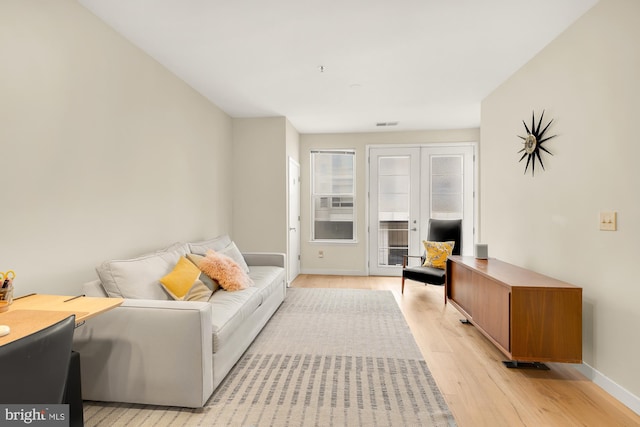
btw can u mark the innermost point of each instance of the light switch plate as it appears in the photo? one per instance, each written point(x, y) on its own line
point(608, 221)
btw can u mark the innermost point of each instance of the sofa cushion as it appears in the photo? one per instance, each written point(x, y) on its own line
point(232, 251)
point(434, 276)
point(140, 277)
point(217, 243)
point(229, 310)
point(266, 279)
point(222, 244)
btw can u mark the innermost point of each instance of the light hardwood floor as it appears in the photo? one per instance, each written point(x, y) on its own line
point(479, 390)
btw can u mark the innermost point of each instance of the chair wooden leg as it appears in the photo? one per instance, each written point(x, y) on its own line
point(402, 285)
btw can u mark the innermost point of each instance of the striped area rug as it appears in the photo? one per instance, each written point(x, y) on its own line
point(328, 357)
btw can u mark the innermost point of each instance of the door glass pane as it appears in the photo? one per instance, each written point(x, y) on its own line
point(392, 206)
point(447, 187)
point(394, 184)
point(446, 165)
point(446, 184)
point(391, 166)
point(393, 209)
point(447, 206)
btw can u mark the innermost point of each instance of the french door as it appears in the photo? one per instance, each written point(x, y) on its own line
point(407, 187)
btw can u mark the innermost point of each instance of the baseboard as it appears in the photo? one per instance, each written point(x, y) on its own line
point(334, 272)
point(607, 384)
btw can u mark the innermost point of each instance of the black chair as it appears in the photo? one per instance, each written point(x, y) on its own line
point(35, 368)
point(440, 230)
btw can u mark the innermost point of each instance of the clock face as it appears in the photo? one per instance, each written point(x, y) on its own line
point(530, 144)
point(533, 143)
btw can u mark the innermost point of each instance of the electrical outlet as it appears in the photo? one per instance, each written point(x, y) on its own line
point(608, 221)
point(320, 254)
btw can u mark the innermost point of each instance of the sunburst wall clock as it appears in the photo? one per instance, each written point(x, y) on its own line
point(533, 142)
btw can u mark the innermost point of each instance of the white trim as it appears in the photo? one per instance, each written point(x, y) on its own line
point(326, 242)
point(614, 389)
point(367, 196)
point(293, 257)
point(424, 144)
point(333, 272)
point(312, 195)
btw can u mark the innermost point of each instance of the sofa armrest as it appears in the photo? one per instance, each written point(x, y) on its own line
point(149, 352)
point(94, 289)
point(264, 259)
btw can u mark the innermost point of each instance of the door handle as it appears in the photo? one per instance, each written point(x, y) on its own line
point(292, 229)
point(414, 229)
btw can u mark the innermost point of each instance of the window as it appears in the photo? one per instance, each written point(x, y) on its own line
point(333, 195)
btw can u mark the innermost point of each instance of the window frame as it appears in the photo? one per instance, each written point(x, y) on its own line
point(333, 198)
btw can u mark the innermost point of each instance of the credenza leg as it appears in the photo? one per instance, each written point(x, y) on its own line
point(514, 364)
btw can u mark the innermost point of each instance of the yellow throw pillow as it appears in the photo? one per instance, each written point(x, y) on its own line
point(181, 279)
point(437, 253)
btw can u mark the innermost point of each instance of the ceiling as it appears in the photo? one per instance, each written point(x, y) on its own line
point(344, 65)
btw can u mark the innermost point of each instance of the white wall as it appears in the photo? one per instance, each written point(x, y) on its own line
point(292, 142)
point(260, 183)
point(351, 258)
point(588, 81)
point(105, 154)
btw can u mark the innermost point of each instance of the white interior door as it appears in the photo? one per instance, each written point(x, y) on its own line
point(293, 223)
point(394, 182)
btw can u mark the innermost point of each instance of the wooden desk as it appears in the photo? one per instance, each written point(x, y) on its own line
point(528, 316)
point(32, 313)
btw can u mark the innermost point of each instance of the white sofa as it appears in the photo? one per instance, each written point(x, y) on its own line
point(161, 351)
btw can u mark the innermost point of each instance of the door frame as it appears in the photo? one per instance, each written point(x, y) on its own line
point(293, 210)
point(476, 212)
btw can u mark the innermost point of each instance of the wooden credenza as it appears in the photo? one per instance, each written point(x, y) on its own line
point(528, 316)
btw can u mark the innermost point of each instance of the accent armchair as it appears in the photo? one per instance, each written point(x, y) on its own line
point(440, 230)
